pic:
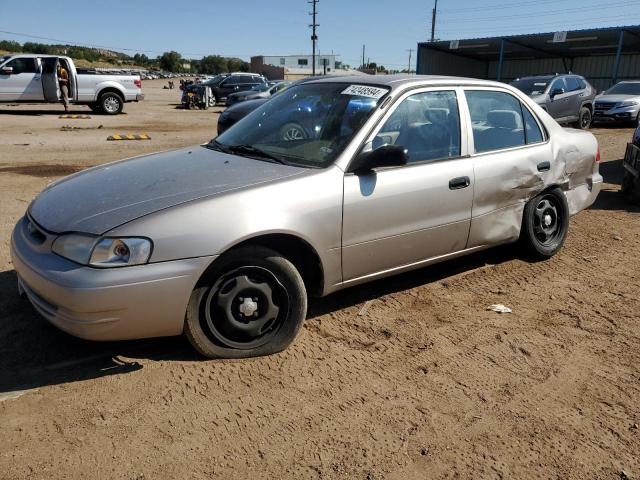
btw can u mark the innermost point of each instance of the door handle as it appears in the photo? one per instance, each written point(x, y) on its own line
point(544, 166)
point(459, 182)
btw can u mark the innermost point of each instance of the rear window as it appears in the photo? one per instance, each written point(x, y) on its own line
point(532, 86)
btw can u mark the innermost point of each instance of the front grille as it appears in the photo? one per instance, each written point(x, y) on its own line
point(604, 105)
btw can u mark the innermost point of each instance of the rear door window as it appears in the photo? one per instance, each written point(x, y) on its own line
point(496, 119)
point(533, 134)
point(573, 84)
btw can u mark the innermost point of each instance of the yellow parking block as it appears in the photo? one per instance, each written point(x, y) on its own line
point(75, 116)
point(129, 136)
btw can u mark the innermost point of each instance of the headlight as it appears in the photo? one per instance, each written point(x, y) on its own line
point(627, 104)
point(103, 252)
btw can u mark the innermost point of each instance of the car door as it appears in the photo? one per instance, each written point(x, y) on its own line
point(560, 104)
point(511, 158)
point(23, 81)
point(402, 216)
point(50, 86)
point(228, 86)
point(575, 96)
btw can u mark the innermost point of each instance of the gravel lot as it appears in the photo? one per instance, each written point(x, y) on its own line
point(406, 378)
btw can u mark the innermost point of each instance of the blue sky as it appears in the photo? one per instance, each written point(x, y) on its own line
point(387, 28)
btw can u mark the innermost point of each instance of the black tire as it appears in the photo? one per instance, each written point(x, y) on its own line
point(252, 277)
point(111, 103)
point(95, 107)
point(584, 119)
point(631, 188)
point(545, 224)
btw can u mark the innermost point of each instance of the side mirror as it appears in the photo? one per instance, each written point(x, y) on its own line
point(7, 70)
point(385, 156)
point(556, 91)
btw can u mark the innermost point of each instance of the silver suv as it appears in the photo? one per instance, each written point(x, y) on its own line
point(621, 103)
point(567, 98)
point(225, 241)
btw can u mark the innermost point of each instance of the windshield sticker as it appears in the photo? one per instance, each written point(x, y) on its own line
point(539, 84)
point(364, 91)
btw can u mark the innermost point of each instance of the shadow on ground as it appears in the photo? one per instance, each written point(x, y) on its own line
point(34, 354)
point(610, 197)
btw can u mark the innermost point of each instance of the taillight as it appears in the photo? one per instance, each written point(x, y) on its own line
point(138, 83)
point(598, 154)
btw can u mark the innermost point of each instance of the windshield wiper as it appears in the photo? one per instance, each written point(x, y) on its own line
point(254, 151)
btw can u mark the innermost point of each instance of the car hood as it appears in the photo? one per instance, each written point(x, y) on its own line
point(617, 98)
point(102, 198)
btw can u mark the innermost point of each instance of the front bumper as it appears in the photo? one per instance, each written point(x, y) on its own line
point(104, 304)
point(622, 114)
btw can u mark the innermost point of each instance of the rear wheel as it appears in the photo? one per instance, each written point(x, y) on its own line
point(584, 118)
point(252, 303)
point(545, 224)
point(111, 103)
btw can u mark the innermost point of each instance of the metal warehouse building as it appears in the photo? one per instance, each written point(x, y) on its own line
point(604, 55)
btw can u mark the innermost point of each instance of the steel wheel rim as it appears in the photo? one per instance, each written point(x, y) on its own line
point(547, 220)
point(111, 104)
point(228, 314)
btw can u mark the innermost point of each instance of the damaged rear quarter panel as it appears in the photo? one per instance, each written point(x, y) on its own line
point(506, 180)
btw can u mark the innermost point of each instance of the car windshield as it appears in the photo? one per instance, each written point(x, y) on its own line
point(531, 86)
point(307, 125)
point(631, 88)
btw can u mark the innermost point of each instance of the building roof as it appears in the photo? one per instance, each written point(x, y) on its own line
point(594, 41)
point(402, 80)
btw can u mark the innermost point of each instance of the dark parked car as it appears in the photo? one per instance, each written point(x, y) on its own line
point(264, 90)
point(236, 82)
point(568, 98)
point(631, 181)
point(223, 85)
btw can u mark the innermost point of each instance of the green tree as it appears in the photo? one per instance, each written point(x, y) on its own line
point(10, 46)
point(237, 65)
point(170, 61)
point(212, 64)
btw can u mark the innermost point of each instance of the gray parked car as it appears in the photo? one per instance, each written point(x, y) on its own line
point(621, 103)
point(567, 98)
point(225, 241)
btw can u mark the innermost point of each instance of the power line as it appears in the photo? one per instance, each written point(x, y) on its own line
point(502, 6)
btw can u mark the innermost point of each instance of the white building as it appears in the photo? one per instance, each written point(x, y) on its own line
point(298, 61)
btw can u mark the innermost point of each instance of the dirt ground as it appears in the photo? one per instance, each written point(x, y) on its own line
point(406, 378)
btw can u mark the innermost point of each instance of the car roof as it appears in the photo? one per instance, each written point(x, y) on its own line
point(400, 81)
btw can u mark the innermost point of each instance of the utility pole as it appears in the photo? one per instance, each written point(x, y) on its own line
point(410, 51)
point(433, 20)
point(314, 37)
point(362, 56)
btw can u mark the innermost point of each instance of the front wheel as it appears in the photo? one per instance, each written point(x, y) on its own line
point(252, 303)
point(111, 103)
point(545, 224)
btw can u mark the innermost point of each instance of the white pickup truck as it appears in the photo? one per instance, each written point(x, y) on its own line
point(31, 78)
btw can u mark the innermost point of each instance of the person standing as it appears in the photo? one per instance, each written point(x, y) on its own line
point(63, 81)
